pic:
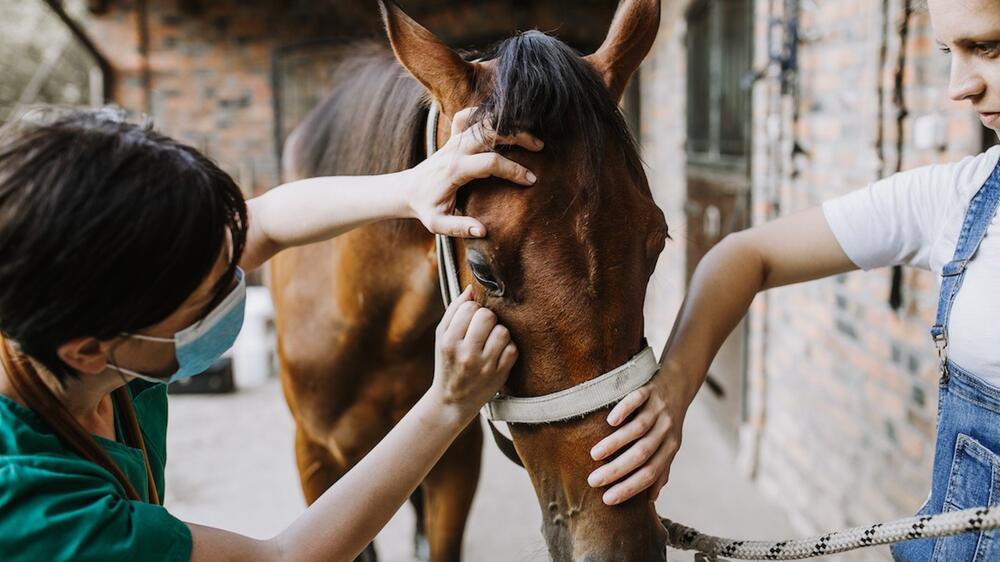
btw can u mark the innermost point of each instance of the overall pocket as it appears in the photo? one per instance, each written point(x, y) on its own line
point(974, 481)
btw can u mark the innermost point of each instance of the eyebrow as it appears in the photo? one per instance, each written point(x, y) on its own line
point(993, 37)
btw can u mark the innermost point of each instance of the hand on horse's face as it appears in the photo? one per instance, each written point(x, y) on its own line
point(651, 437)
point(473, 356)
point(467, 156)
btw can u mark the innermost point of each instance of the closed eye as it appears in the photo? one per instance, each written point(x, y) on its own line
point(986, 48)
point(486, 278)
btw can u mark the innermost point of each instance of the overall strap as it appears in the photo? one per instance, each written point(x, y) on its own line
point(982, 209)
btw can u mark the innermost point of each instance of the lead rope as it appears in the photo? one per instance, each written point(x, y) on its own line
point(711, 549)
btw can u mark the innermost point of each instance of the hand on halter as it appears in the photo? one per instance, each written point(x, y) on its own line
point(466, 156)
point(472, 357)
point(649, 426)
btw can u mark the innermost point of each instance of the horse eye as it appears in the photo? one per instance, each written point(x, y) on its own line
point(485, 277)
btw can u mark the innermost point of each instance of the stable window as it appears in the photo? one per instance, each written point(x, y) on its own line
point(719, 50)
point(719, 47)
point(43, 60)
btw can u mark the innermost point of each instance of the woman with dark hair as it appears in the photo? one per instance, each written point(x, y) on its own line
point(940, 218)
point(122, 255)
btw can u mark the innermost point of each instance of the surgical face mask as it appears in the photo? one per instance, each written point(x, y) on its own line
point(201, 344)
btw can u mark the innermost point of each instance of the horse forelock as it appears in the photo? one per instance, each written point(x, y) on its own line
point(540, 85)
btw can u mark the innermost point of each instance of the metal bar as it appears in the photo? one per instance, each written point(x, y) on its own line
point(107, 70)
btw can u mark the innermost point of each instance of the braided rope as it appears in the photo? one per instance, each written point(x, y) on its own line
point(710, 548)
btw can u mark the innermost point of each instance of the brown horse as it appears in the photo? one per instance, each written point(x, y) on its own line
point(565, 267)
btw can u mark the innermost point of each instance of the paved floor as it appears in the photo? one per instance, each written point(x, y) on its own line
point(231, 466)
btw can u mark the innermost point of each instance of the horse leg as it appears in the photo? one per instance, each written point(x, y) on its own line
point(448, 492)
point(318, 470)
point(421, 549)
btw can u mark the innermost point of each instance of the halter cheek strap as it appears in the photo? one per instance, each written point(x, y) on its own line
point(447, 268)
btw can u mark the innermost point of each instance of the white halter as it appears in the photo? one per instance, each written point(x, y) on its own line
point(573, 402)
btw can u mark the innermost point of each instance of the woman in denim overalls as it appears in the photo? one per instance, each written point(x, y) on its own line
point(919, 218)
point(966, 459)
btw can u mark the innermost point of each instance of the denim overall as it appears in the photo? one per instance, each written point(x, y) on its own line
point(967, 455)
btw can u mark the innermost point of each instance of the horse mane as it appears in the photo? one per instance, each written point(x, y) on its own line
point(543, 86)
point(371, 122)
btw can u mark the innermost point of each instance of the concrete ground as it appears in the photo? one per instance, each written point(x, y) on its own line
point(232, 466)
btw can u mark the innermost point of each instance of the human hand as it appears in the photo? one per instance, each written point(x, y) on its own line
point(473, 356)
point(466, 156)
point(652, 435)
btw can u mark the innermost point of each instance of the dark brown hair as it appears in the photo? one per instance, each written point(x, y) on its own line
point(105, 227)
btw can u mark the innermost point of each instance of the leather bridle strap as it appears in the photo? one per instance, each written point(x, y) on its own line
point(447, 268)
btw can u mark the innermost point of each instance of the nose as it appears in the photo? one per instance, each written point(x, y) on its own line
point(966, 82)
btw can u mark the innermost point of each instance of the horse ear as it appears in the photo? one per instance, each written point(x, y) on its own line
point(448, 78)
point(628, 42)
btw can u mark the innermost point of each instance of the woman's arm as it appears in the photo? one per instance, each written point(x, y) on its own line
point(797, 248)
point(474, 354)
point(316, 209)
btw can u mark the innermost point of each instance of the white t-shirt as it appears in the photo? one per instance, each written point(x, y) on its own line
point(914, 218)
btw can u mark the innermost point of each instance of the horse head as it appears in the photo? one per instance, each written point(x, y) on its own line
point(566, 262)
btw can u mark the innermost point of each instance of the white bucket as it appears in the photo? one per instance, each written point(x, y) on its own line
point(254, 355)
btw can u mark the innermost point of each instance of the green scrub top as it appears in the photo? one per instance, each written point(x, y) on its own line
point(55, 505)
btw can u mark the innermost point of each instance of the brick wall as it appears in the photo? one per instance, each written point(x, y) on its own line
point(842, 389)
point(205, 73)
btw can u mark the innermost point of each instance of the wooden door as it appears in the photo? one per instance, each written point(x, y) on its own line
point(719, 46)
point(301, 75)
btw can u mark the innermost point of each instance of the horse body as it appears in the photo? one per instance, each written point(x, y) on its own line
point(564, 266)
point(355, 316)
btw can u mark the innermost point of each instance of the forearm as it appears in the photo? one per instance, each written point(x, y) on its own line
point(473, 355)
point(721, 290)
point(797, 248)
point(349, 515)
point(316, 209)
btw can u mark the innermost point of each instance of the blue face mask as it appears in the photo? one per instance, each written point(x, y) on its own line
point(200, 345)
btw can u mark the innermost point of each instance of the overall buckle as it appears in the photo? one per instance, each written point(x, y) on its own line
point(941, 344)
